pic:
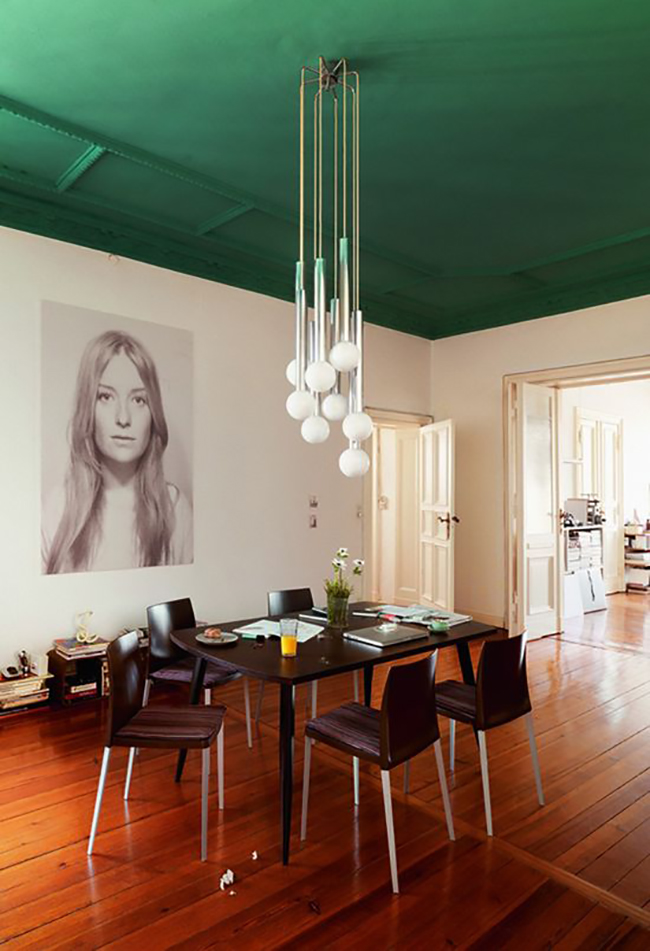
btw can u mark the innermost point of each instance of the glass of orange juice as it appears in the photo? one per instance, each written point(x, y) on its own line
point(289, 636)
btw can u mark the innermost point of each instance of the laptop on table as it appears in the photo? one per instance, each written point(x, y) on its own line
point(375, 637)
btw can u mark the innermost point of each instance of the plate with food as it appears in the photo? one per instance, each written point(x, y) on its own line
point(215, 637)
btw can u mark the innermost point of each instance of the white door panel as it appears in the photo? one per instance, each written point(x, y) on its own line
point(538, 540)
point(437, 515)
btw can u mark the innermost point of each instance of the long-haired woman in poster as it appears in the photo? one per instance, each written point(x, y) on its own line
point(116, 509)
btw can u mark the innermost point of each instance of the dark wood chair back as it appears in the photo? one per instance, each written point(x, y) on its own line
point(409, 723)
point(501, 683)
point(127, 671)
point(162, 620)
point(290, 601)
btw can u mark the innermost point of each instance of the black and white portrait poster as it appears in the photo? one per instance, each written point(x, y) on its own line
point(116, 442)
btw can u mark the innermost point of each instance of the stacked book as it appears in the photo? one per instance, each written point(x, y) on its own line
point(71, 649)
point(23, 692)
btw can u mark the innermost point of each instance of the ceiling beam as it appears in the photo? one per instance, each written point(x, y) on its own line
point(79, 167)
point(218, 220)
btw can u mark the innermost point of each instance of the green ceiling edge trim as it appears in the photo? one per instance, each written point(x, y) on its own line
point(37, 217)
point(54, 221)
point(554, 302)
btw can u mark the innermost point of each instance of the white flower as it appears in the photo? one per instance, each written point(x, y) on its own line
point(338, 563)
point(342, 553)
point(358, 562)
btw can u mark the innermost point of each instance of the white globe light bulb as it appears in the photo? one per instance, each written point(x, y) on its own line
point(335, 406)
point(291, 373)
point(357, 426)
point(354, 463)
point(315, 429)
point(320, 376)
point(300, 404)
point(345, 356)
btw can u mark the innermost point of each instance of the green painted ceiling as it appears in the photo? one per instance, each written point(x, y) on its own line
point(505, 148)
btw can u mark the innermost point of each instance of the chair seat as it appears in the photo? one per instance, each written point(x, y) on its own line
point(172, 727)
point(456, 700)
point(217, 672)
point(352, 728)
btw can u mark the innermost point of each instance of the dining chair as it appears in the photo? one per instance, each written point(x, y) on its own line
point(499, 697)
point(132, 725)
point(288, 601)
point(292, 601)
point(169, 664)
point(405, 726)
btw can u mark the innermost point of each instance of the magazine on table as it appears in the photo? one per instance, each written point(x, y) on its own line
point(420, 614)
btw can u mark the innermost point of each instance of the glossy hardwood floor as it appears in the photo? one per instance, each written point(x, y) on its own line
point(575, 874)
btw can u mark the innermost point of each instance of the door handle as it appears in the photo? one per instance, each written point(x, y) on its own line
point(448, 519)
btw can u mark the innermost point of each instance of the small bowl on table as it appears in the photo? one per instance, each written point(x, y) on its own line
point(439, 627)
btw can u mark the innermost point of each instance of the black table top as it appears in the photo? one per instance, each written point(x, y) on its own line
point(322, 655)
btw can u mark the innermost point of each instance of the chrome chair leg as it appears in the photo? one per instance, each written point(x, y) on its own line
point(452, 745)
point(485, 776)
point(442, 779)
point(129, 772)
point(305, 789)
point(355, 675)
point(390, 829)
point(220, 765)
point(247, 705)
point(314, 699)
point(407, 776)
point(533, 753)
point(98, 800)
point(355, 779)
point(205, 782)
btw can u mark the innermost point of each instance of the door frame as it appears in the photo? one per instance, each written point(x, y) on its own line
point(624, 370)
point(369, 503)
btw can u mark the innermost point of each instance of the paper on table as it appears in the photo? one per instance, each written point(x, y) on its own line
point(266, 628)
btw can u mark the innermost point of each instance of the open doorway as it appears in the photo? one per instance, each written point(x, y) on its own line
point(578, 496)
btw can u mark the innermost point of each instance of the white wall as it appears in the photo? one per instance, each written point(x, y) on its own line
point(630, 401)
point(253, 474)
point(467, 382)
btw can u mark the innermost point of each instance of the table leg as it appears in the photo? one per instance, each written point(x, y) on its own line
point(465, 660)
point(286, 766)
point(195, 692)
point(368, 671)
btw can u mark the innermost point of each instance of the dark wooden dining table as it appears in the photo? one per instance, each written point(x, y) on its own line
point(325, 655)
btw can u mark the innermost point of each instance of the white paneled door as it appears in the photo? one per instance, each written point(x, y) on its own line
point(538, 542)
point(437, 515)
point(395, 545)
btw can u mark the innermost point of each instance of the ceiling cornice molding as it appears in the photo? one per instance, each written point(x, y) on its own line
point(209, 261)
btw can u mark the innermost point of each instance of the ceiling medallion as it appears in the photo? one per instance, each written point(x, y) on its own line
point(327, 371)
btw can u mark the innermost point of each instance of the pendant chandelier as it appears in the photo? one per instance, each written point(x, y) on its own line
point(327, 371)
